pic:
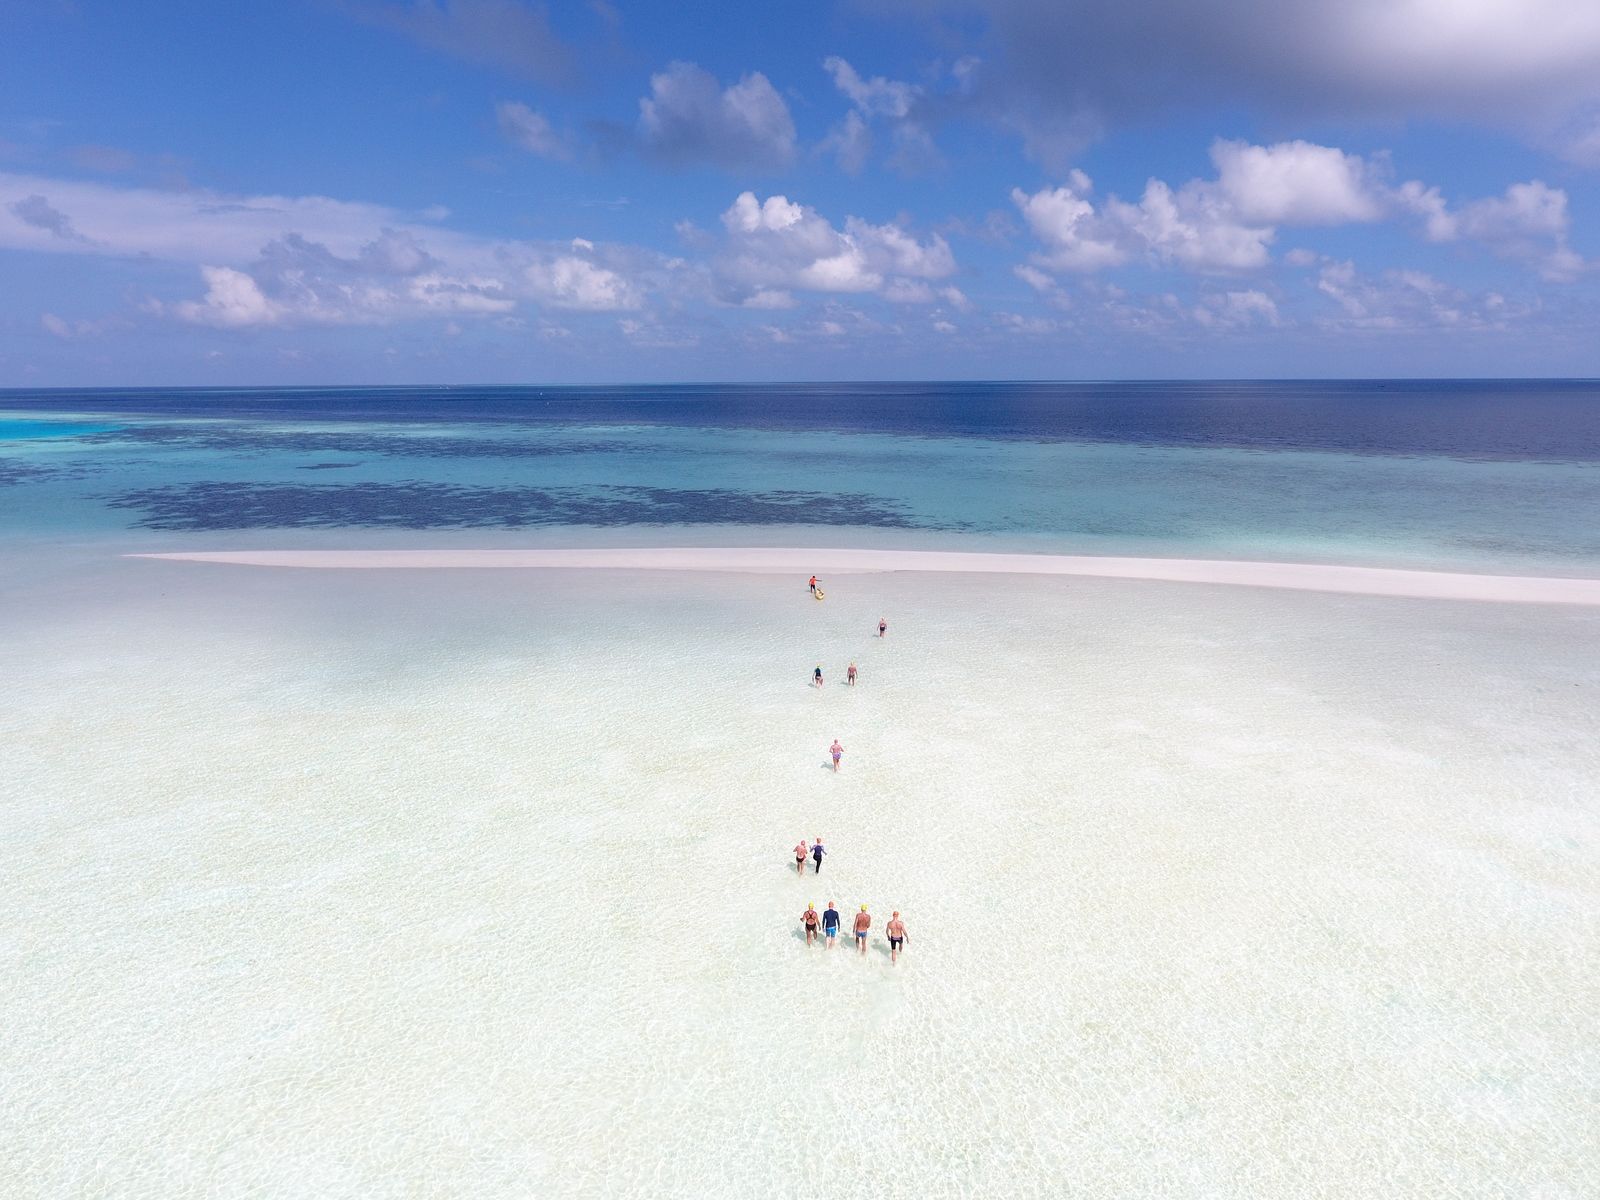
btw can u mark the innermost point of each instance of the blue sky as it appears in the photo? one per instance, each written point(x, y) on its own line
point(313, 191)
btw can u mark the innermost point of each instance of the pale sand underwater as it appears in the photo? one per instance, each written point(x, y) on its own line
point(479, 884)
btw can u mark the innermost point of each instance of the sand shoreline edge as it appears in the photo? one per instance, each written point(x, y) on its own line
point(1366, 581)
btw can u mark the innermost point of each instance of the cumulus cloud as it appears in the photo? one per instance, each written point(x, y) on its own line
point(690, 118)
point(1063, 73)
point(1296, 183)
point(577, 281)
point(1528, 223)
point(1193, 227)
point(507, 35)
point(778, 245)
point(531, 131)
point(1230, 223)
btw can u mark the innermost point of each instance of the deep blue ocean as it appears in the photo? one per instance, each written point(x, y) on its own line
point(1482, 473)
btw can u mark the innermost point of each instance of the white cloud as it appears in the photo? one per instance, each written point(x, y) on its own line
point(689, 118)
point(574, 282)
point(1296, 183)
point(777, 245)
point(1076, 237)
point(1229, 223)
point(531, 131)
point(233, 300)
point(1194, 227)
point(1529, 223)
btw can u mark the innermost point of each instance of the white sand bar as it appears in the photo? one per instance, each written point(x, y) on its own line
point(1369, 581)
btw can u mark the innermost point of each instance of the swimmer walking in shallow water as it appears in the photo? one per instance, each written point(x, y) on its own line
point(837, 751)
point(863, 924)
point(830, 925)
point(883, 627)
point(850, 675)
point(816, 676)
point(809, 920)
point(800, 853)
point(816, 853)
point(896, 929)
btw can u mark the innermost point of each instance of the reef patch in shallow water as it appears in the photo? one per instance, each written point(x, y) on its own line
point(415, 505)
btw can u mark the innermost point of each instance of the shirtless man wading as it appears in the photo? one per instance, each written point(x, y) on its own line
point(863, 923)
point(896, 929)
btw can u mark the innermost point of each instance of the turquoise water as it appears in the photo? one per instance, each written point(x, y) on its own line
point(12, 431)
point(1214, 475)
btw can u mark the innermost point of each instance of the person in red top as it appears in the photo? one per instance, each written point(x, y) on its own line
point(813, 585)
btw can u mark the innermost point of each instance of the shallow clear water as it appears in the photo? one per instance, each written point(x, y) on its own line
point(479, 885)
point(1493, 476)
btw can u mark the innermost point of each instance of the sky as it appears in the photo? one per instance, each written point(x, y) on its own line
point(498, 191)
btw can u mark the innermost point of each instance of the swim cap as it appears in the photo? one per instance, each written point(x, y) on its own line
point(812, 904)
point(863, 908)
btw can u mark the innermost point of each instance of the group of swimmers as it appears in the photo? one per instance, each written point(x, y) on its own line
point(826, 925)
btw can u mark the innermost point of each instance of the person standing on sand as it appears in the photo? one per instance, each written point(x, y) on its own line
point(863, 923)
point(883, 627)
point(809, 920)
point(800, 853)
point(837, 751)
point(896, 929)
point(816, 853)
point(830, 925)
point(816, 676)
point(850, 675)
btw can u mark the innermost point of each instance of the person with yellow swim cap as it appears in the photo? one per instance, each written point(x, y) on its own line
point(863, 923)
point(810, 921)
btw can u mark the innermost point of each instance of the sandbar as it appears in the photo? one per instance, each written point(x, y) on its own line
point(1316, 577)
